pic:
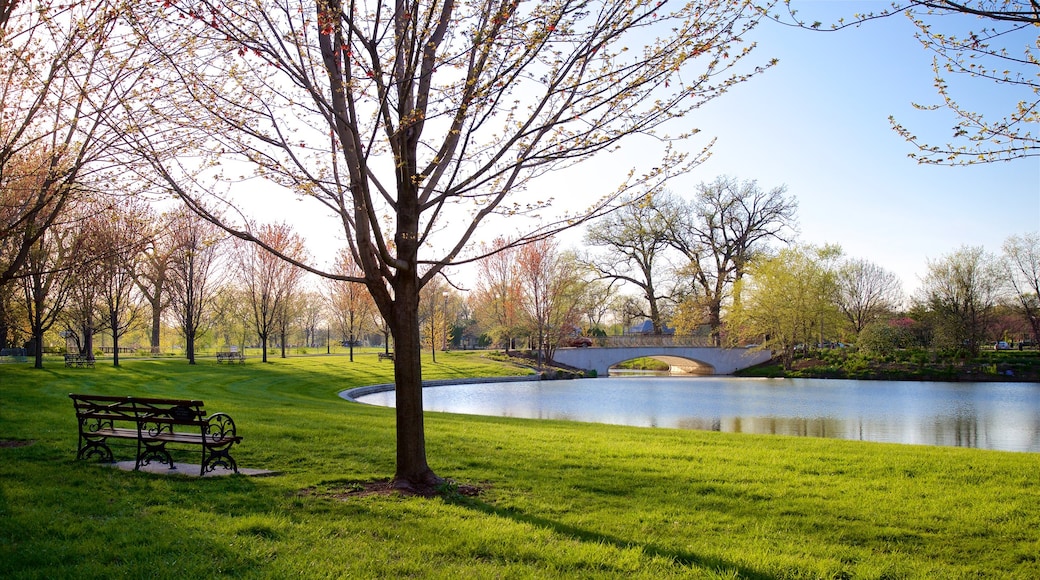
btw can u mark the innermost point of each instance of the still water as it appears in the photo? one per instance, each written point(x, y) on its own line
point(1003, 416)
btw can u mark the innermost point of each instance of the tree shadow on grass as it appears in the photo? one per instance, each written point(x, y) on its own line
point(682, 558)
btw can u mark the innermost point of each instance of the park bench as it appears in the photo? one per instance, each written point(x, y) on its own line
point(386, 356)
point(79, 360)
point(230, 357)
point(153, 423)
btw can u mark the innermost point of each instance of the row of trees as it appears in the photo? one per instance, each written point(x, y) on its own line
point(96, 266)
point(718, 263)
point(808, 295)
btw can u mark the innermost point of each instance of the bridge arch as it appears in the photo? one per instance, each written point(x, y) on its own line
point(700, 359)
point(676, 364)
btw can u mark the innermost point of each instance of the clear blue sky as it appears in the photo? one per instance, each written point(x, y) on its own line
point(818, 122)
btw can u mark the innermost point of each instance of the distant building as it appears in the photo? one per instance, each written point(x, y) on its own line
point(647, 327)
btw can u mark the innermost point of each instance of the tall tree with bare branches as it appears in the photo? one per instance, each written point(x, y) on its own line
point(152, 274)
point(47, 281)
point(867, 291)
point(1022, 263)
point(720, 229)
point(116, 237)
point(498, 292)
point(414, 123)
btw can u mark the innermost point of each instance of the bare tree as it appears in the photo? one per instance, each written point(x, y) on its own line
point(47, 282)
point(352, 306)
point(152, 275)
point(415, 123)
point(985, 55)
point(433, 316)
point(193, 275)
point(635, 238)
point(315, 312)
point(270, 281)
point(1022, 262)
point(113, 240)
point(961, 291)
point(720, 230)
point(867, 291)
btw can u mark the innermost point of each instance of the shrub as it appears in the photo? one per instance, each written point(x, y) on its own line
point(882, 339)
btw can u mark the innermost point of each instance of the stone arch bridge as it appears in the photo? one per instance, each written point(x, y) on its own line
point(684, 355)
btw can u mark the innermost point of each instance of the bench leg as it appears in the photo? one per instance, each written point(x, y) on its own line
point(94, 447)
point(149, 451)
point(219, 456)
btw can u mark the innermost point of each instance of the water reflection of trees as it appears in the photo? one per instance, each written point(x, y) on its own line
point(798, 426)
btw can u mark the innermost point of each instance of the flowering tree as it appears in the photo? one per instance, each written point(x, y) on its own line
point(498, 292)
point(350, 302)
point(414, 123)
point(193, 275)
point(269, 281)
point(113, 242)
point(61, 78)
point(552, 292)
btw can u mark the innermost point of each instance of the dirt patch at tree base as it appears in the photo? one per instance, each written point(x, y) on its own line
point(12, 443)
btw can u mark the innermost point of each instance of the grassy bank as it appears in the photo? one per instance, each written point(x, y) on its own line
point(557, 499)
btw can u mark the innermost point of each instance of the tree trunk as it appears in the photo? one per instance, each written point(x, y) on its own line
point(88, 339)
point(38, 338)
point(412, 468)
point(263, 348)
point(114, 322)
point(715, 322)
point(189, 337)
point(156, 325)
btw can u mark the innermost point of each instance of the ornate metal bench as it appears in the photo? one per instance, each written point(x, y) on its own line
point(79, 360)
point(150, 422)
point(230, 357)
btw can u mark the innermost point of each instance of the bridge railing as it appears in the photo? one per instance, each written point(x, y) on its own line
point(631, 340)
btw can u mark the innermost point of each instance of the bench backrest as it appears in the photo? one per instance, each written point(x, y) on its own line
point(162, 413)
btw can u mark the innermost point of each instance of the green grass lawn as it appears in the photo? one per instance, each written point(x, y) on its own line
point(558, 499)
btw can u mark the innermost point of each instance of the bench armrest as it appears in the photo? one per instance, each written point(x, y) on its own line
point(220, 427)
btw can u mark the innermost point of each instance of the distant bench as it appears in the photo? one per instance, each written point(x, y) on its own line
point(151, 422)
point(230, 357)
point(386, 356)
point(79, 360)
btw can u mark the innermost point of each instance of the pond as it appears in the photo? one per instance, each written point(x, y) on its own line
point(1002, 416)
